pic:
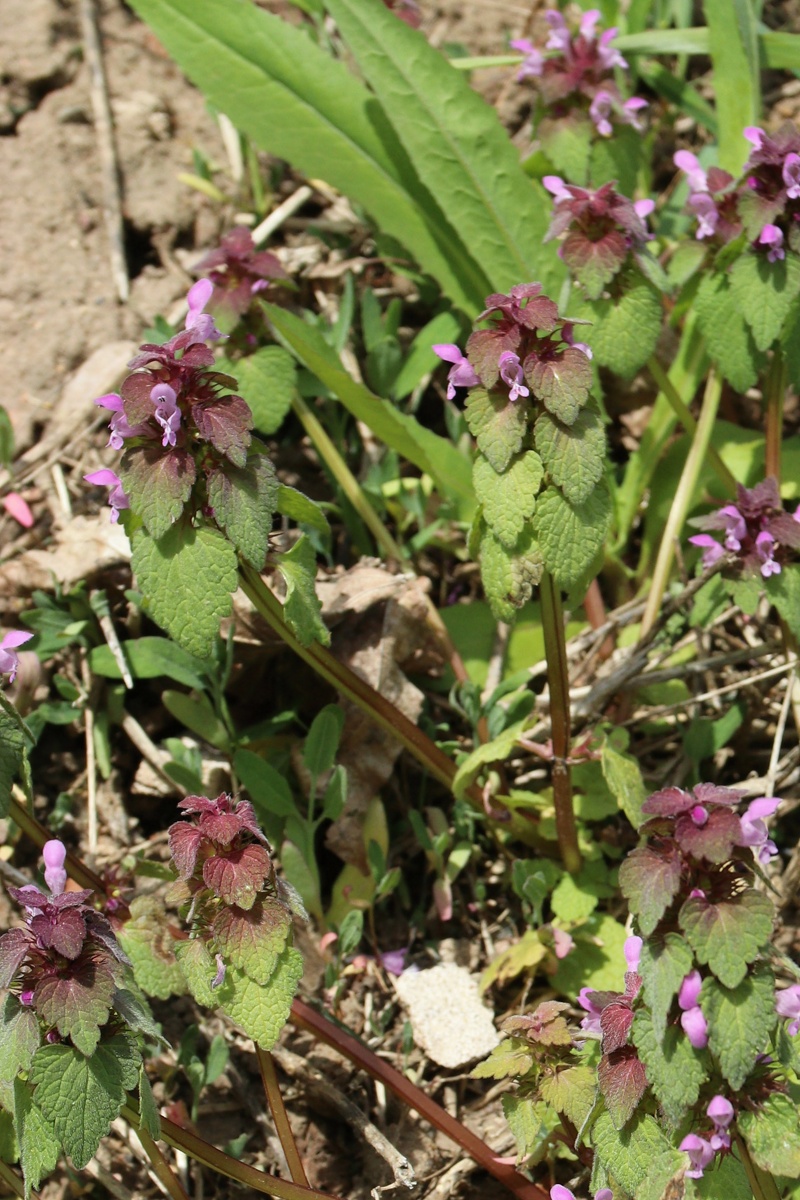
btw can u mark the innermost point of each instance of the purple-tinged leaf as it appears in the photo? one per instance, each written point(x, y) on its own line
point(594, 263)
point(184, 846)
point(485, 347)
point(728, 935)
point(137, 403)
point(14, 945)
point(674, 1069)
point(544, 1025)
point(650, 879)
point(713, 793)
point(65, 932)
point(100, 931)
point(77, 1003)
point(615, 1022)
point(713, 840)
point(225, 422)
point(238, 877)
point(623, 1082)
point(253, 940)
point(669, 802)
point(561, 382)
point(498, 425)
point(29, 896)
point(158, 483)
point(220, 827)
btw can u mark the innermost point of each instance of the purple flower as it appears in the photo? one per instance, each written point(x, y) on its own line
point(689, 163)
point(219, 978)
point(9, 659)
point(700, 1152)
point(559, 1192)
point(643, 208)
point(559, 38)
point(563, 944)
point(734, 525)
point(707, 215)
point(568, 334)
point(555, 184)
point(791, 175)
point(754, 828)
point(588, 23)
point(630, 110)
point(394, 961)
point(720, 1112)
point(118, 427)
point(591, 1023)
point(54, 852)
point(765, 545)
point(200, 323)
point(167, 412)
point(772, 237)
point(755, 136)
point(693, 1022)
point(632, 951)
point(533, 63)
point(787, 1004)
point(511, 373)
point(609, 58)
point(116, 496)
point(601, 108)
point(712, 550)
point(461, 374)
point(689, 992)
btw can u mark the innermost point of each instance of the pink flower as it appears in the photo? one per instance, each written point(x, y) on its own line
point(559, 38)
point(591, 1023)
point(693, 1022)
point(695, 174)
point(54, 852)
point(754, 828)
point(9, 659)
point(18, 508)
point(532, 64)
point(720, 1112)
point(116, 496)
point(700, 1152)
point(609, 57)
point(772, 237)
point(567, 333)
point(787, 1004)
point(563, 944)
point(555, 184)
point(461, 374)
point(632, 951)
point(511, 373)
point(630, 110)
point(754, 135)
point(712, 550)
point(118, 427)
point(765, 547)
point(707, 215)
point(167, 412)
point(200, 323)
point(791, 176)
point(601, 108)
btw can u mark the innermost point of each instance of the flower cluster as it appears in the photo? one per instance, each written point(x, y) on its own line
point(764, 203)
point(787, 1005)
point(756, 529)
point(223, 849)
point(65, 964)
point(602, 229)
point(518, 353)
point(574, 70)
point(9, 659)
point(703, 1150)
point(238, 271)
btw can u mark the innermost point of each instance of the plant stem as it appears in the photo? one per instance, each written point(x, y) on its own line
point(14, 1182)
point(269, 1077)
point(346, 480)
point(161, 1168)
point(683, 498)
point(762, 1185)
point(774, 393)
point(323, 1028)
point(555, 649)
point(688, 422)
point(380, 710)
point(217, 1160)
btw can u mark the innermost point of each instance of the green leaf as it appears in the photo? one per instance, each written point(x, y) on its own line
point(148, 1109)
point(262, 1012)
point(567, 142)
point(253, 940)
point(728, 935)
point(571, 1092)
point(150, 658)
point(267, 381)
point(498, 425)
point(650, 880)
point(627, 325)
point(435, 455)
point(597, 962)
point(508, 497)
point(131, 1005)
point(575, 897)
point(77, 1004)
point(728, 339)
point(663, 966)
point(562, 383)
point(726, 1178)
point(524, 1117)
point(771, 1135)
point(570, 535)
point(148, 943)
point(299, 103)
point(510, 1059)
point(629, 1154)
point(498, 750)
point(301, 607)
point(38, 1145)
point(509, 577)
point(266, 787)
point(244, 500)
point(456, 142)
point(784, 592)
point(300, 508)
point(421, 360)
point(619, 157)
point(197, 714)
point(574, 455)
point(790, 344)
point(158, 483)
point(733, 43)
point(322, 739)
point(199, 970)
point(623, 775)
point(674, 1069)
point(763, 293)
point(12, 750)
point(79, 1096)
point(19, 1041)
point(740, 1020)
point(187, 578)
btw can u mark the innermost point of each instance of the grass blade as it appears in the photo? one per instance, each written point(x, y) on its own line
point(733, 42)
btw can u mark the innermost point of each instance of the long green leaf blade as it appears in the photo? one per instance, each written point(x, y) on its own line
point(456, 143)
point(297, 102)
point(449, 469)
point(733, 42)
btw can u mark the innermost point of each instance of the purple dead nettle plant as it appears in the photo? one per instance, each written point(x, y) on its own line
point(764, 203)
point(239, 271)
point(603, 231)
point(756, 530)
point(573, 72)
